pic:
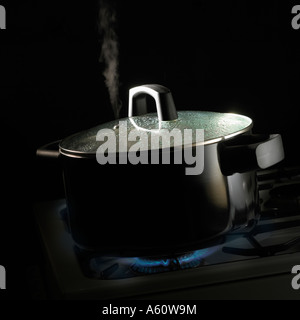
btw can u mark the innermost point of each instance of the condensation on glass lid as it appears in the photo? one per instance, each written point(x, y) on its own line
point(215, 125)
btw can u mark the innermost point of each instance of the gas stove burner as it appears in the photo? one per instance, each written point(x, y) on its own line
point(109, 268)
point(158, 264)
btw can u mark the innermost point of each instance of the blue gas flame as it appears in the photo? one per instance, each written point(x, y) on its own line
point(187, 260)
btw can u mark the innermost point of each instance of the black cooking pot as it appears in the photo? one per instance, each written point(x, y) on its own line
point(148, 209)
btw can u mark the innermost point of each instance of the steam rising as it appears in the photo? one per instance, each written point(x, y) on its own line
point(110, 52)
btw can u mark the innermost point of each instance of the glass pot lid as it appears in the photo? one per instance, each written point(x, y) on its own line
point(194, 127)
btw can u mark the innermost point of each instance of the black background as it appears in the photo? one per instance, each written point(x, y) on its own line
point(227, 56)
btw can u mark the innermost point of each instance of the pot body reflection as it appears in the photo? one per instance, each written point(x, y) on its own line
point(153, 209)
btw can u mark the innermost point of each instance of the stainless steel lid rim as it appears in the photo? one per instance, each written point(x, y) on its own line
point(67, 146)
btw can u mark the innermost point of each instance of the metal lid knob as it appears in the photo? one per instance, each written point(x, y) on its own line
point(164, 102)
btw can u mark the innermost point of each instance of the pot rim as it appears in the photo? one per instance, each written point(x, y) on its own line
point(83, 154)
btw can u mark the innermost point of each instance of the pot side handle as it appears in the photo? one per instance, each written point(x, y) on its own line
point(164, 102)
point(250, 152)
point(49, 150)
